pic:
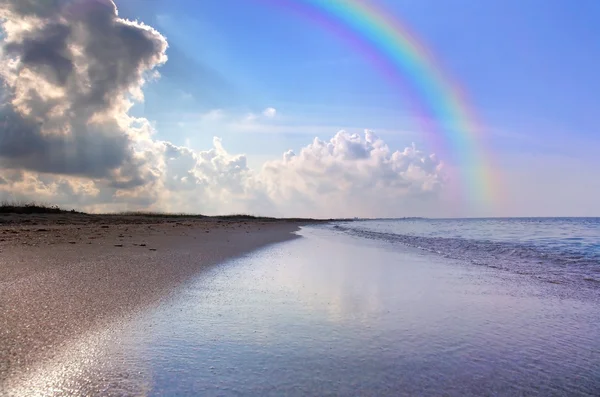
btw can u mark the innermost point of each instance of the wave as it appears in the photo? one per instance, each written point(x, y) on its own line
point(552, 264)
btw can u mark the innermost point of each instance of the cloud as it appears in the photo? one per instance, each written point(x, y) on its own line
point(351, 175)
point(72, 69)
point(270, 113)
point(253, 119)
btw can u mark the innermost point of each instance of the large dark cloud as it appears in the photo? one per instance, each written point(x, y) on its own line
point(37, 8)
point(46, 52)
point(68, 70)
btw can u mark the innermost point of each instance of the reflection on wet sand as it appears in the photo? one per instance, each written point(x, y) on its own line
point(333, 314)
point(93, 364)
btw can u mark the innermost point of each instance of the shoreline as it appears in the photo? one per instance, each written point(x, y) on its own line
point(276, 320)
point(60, 280)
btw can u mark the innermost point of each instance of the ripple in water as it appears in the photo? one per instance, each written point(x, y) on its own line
point(561, 250)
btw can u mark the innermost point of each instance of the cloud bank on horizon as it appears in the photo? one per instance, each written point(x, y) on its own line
point(71, 71)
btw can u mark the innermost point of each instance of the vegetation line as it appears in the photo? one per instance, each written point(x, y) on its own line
point(33, 208)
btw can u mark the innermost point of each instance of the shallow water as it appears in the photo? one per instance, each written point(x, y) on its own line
point(559, 250)
point(336, 314)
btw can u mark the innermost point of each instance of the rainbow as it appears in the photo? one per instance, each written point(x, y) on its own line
point(441, 104)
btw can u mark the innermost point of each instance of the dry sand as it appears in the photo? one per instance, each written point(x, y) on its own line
point(63, 275)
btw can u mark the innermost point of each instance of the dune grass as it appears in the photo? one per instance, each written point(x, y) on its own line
point(34, 208)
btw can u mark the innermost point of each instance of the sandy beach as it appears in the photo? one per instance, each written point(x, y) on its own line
point(63, 275)
point(188, 307)
point(329, 313)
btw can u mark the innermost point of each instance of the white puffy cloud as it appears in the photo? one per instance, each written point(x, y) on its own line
point(70, 72)
point(270, 113)
point(211, 181)
point(350, 175)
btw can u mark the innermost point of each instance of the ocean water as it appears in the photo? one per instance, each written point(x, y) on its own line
point(559, 250)
point(347, 311)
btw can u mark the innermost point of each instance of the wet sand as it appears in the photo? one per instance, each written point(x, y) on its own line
point(64, 275)
point(332, 314)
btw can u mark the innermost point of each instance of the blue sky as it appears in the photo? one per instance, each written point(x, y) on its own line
point(530, 70)
point(530, 67)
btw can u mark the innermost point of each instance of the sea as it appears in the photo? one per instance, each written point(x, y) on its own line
point(559, 250)
point(410, 307)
